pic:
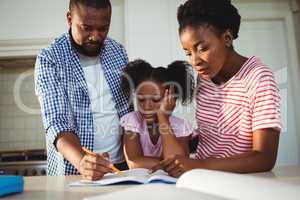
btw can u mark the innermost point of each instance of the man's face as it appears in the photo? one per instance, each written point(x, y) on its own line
point(89, 28)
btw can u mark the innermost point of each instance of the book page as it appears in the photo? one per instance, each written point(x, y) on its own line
point(161, 176)
point(237, 186)
point(138, 175)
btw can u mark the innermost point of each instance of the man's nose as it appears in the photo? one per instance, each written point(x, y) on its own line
point(95, 36)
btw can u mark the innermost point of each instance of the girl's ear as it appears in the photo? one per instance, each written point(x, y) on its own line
point(228, 38)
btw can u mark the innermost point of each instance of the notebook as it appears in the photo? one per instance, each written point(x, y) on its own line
point(11, 184)
point(132, 176)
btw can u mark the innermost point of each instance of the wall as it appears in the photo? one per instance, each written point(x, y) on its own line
point(20, 128)
point(30, 23)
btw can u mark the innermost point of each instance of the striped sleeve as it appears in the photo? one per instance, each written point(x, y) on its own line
point(266, 103)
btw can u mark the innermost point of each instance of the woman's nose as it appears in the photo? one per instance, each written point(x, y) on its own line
point(195, 60)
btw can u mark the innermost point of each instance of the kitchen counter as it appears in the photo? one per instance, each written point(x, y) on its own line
point(51, 187)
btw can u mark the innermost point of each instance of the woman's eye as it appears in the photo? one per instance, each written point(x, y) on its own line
point(188, 54)
point(202, 49)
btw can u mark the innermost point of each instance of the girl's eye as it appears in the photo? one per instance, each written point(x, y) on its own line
point(156, 100)
point(141, 99)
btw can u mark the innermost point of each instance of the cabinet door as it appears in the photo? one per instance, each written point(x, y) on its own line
point(267, 31)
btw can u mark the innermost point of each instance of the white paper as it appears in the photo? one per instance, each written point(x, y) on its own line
point(237, 186)
point(155, 192)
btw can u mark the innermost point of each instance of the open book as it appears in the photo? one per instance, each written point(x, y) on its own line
point(211, 185)
point(139, 175)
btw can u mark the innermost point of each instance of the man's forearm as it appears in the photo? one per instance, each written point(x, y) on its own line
point(69, 146)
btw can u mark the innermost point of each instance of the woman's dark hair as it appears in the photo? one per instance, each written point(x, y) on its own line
point(178, 73)
point(220, 14)
point(90, 3)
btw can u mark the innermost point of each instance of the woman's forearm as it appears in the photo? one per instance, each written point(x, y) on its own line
point(250, 162)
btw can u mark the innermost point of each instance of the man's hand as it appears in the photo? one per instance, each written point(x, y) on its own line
point(94, 167)
point(175, 166)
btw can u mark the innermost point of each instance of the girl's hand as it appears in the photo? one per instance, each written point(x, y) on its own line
point(175, 166)
point(168, 103)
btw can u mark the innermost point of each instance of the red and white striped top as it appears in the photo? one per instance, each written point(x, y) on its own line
point(228, 114)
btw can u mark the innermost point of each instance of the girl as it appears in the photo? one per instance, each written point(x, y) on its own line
point(151, 132)
point(238, 102)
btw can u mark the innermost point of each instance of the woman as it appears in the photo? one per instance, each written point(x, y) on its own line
point(237, 98)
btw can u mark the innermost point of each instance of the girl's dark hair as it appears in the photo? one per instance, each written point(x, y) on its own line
point(178, 73)
point(220, 14)
point(90, 3)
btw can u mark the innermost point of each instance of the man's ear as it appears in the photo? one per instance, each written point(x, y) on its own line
point(69, 18)
point(228, 38)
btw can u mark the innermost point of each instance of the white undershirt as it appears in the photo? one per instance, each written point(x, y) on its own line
point(107, 136)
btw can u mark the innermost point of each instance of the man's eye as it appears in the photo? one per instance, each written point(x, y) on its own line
point(104, 29)
point(86, 28)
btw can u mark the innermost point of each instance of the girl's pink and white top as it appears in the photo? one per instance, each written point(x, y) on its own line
point(134, 122)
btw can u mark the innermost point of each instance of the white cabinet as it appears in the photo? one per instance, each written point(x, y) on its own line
point(27, 26)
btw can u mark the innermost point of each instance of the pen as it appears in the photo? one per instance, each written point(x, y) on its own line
point(93, 154)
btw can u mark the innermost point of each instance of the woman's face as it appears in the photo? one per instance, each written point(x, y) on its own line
point(149, 96)
point(205, 49)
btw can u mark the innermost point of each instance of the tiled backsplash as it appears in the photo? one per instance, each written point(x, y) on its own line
point(20, 122)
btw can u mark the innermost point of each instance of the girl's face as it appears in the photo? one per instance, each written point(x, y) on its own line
point(207, 51)
point(149, 97)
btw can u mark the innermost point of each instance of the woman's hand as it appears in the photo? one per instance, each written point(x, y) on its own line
point(175, 166)
point(94, 167)
point(168, 103)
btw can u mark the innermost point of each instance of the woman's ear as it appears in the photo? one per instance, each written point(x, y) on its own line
point(69, 18)
point(228, 38)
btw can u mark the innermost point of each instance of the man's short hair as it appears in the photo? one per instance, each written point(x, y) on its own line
point(89, 3)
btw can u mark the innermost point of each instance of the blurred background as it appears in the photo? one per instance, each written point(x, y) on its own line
point(270, 29)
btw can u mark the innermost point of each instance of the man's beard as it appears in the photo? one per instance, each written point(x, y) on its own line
point(85, 50)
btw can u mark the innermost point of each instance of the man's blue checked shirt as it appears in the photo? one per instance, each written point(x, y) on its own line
point(62, 91)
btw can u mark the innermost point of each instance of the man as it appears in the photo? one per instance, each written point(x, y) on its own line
point(77, 81)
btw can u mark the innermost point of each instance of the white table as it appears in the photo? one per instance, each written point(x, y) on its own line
point(56, 188)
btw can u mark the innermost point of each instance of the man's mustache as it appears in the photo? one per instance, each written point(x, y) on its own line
point(93, 42)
